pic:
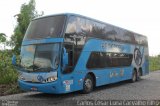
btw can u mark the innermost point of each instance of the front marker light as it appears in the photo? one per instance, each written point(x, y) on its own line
point(51, 79)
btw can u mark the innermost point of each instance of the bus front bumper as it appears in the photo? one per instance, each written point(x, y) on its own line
point(52, 87)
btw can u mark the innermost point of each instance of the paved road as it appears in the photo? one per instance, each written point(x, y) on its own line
point(148, 88)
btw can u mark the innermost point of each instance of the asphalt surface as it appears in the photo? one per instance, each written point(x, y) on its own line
point(148, 88)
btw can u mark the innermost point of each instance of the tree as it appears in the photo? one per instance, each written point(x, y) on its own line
point(27, 13)
point(2, 37)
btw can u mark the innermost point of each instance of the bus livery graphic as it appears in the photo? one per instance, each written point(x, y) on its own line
point(137, 57)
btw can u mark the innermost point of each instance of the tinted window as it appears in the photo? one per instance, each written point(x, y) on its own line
point(141, 40)
point(45, 27)
point(83, 27)
point(94, 60)
point(80, 27)
point(104, 60)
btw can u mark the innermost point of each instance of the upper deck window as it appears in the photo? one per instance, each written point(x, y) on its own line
point(47, 27)
point(80, 27)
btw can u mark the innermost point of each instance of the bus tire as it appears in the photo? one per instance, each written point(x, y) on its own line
point(88, 84)
point(134, 77)
point(138, 75)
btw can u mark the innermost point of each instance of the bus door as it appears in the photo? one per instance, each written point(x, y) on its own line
point(68, 67)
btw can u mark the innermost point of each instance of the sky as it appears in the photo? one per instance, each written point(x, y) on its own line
point(140, 16)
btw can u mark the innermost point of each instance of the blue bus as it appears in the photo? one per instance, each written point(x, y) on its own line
point(68, 52)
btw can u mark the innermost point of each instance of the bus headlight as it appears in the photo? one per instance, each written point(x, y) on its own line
point(51, 79)
point(20, 77)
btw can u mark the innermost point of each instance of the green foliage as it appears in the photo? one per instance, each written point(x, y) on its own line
point(2, 37)
point(27, 13)
point(154, 63)
point(7, 72)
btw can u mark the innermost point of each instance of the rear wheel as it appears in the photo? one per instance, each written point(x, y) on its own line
point(88, 84)
point(138, 75)
point(134, 76)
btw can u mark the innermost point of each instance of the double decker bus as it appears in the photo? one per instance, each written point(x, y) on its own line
point(68, 52)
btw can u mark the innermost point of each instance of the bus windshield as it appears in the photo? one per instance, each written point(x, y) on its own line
point(47, 27)
point(40, 57)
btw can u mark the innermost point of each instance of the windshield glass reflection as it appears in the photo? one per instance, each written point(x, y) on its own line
point(40, 57)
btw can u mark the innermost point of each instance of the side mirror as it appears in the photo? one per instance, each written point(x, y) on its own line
point(14, 60)
point(65, 58)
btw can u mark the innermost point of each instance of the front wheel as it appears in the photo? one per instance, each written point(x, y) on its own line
point(88, 84)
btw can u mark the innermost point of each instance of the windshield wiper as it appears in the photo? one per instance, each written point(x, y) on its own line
point(42, 68)
point(31, 67)
point(34, 67)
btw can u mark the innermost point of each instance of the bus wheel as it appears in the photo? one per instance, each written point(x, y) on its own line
point(138, 75)
point(88, 84)
point(134, 76)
